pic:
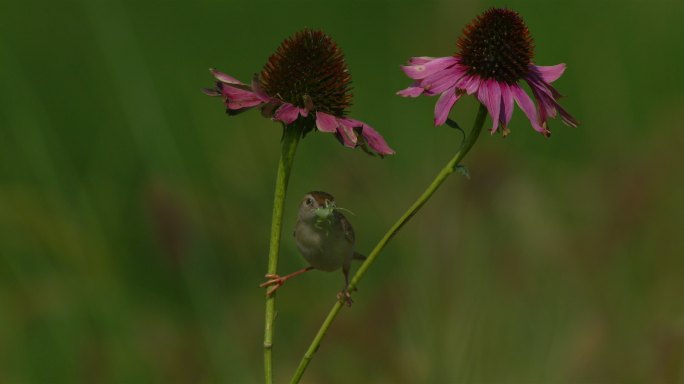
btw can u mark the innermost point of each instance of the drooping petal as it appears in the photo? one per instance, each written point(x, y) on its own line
point(548, 104)
point(526, 104)
point(369, 136)
point(493, 102)
point(411, 91)
point(375, 140)
point(483, 93)
point(460, 69)
point(546, 107)
point(242, 104)
point(422, 71)
point(550, 73)
point(566, 117)
point(440, 81)
point(346, 131)
point(222, 77)
point(211, 92)
point(288, 113)
point(506, 104)
point(421, 60)
point(535, 81)
point(325, 122)
point(238, 93)
point(444, 104)
point(238, 98)
point(258, 90)
point(469, 83)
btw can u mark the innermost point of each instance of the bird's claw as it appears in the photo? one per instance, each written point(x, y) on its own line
point(274, 282)
point(344, 297)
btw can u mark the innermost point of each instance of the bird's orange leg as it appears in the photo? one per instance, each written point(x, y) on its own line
point(276, 281)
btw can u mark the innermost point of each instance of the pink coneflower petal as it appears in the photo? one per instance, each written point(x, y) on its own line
point(491, 98)
point(411, 92)
point(241, 104)
point(346, 131)
point(422, 71)
point(536, 83)
point(441, 81)
point(236, 95)
point(550, 73)
point(238, 98)
point(222, 77)
point(566, 117)
point(211, 92)
point(259, 91)
point(420, 60)
point(444, 104)
point(288, 113)
point(325, 122)
point(482, 94)
point(507, 103)
point(526, 104)
point(469, 83)
point(548, 107)
point(371, 137)
point(375, 140)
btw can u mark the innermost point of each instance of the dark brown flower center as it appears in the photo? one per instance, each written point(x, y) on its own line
point(306, 70)
point(497, 45)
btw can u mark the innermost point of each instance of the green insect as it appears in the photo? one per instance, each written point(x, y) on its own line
point(325, 215)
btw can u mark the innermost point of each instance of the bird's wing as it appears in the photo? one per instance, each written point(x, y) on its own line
point(346, 226)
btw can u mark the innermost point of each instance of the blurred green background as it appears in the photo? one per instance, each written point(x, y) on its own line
point(134, 214)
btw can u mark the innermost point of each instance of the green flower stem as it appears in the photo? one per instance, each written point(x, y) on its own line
point(448, 169)
point(291, 136)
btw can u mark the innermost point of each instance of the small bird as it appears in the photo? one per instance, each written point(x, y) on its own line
point(326, 240)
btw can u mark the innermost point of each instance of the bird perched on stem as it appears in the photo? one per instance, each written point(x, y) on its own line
point(325, 238)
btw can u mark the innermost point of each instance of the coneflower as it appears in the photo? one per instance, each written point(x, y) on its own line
point(495, 54)
point(307, 81)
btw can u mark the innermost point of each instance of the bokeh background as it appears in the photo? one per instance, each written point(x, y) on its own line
point(134, 214)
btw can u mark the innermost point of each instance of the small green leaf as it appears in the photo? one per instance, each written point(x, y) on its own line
point(454, 125)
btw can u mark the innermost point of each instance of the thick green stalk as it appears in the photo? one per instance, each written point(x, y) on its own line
point(291, 136)
point(448, 169)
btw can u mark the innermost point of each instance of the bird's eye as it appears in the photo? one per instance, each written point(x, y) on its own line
point(309, 201)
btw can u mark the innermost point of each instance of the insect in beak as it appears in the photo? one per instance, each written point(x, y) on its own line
point(324, 212)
